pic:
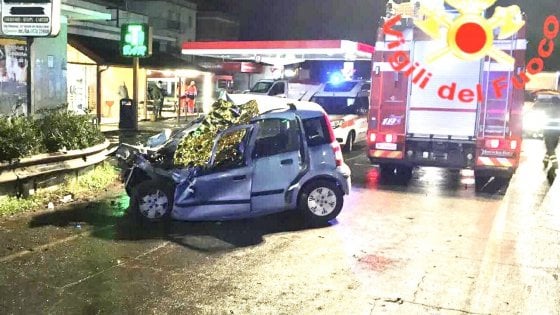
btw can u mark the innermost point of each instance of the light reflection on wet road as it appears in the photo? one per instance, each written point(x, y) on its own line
point(430, 246)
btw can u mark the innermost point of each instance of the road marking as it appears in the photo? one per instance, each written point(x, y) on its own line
point(119, 263)
point(353, 158)
point(53, 243)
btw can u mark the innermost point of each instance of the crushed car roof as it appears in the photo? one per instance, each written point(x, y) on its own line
point(269, 103)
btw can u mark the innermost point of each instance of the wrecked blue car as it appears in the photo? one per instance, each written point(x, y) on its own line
point(288, 159)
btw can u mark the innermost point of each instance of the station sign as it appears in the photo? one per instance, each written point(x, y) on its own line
point(30, 18)
point(136, 40)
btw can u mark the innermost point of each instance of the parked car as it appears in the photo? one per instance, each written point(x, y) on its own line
point(288, 159)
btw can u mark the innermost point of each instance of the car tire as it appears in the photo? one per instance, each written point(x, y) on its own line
point(349, 146)
point(152, 201)
point(320, 201)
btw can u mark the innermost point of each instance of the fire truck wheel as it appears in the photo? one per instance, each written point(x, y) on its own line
point(319, 202)
point(349, 146)
point(396, 171)
point(152, 201)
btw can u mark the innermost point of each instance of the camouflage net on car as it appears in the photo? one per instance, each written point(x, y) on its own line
point(196, 149)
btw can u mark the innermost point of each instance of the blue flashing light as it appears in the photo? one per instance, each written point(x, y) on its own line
point(336, 78)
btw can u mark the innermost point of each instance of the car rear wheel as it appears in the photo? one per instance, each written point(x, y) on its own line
point(349, 146)
point(152, 201)
point(320, 202)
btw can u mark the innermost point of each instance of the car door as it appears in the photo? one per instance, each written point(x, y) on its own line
point(278, 158)
point(224, 190)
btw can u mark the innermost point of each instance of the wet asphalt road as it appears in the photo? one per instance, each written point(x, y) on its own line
point(432, 246)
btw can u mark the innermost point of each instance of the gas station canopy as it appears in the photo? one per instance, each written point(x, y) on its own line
point(281, 52)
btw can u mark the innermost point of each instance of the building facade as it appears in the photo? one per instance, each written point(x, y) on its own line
point(216, 26)
point(172, 18)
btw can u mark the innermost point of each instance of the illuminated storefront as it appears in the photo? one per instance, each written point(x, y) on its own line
point(98, 78)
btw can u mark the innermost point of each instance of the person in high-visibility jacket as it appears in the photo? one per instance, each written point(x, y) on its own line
point(551, 131)
point(191, 94)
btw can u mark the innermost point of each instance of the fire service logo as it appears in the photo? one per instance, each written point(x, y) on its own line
point(470, 37)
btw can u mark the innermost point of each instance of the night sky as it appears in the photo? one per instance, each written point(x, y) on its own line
point(354, 20)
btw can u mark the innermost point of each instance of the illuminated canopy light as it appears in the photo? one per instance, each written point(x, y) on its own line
point(470, 36)
point(281, 53)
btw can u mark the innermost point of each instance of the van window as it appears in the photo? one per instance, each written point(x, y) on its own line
point(342, 105)
point(277, 89)
point(261, 87)
point(316, 131)
point(276, 136)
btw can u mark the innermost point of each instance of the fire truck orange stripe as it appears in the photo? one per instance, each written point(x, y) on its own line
point(387, 154)
point(498, 162)
point(505, 162)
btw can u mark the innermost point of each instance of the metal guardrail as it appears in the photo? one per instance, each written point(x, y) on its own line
point(48, 164)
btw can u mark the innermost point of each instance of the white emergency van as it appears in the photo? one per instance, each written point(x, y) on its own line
point(347, 104)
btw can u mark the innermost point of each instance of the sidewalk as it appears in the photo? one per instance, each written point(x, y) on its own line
point(146, 129)
point(148, 125)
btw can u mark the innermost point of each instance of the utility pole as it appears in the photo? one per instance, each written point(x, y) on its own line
point(29, 75)
point(135, 68)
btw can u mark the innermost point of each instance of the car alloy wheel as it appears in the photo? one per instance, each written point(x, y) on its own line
point(152, 200)
point(322, 201)
point(153, 206)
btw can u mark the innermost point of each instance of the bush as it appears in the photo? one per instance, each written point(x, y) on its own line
point(61, 130)
point(56, 130)
point(96, 180)
point(13, 205)
point(19, 138)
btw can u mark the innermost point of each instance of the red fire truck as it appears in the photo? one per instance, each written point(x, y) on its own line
point(449, 113)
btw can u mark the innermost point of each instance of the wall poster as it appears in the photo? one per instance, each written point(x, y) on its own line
point(13, 77)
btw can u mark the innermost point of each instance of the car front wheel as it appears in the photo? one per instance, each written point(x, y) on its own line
point(320, 202)
point(152, 201)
